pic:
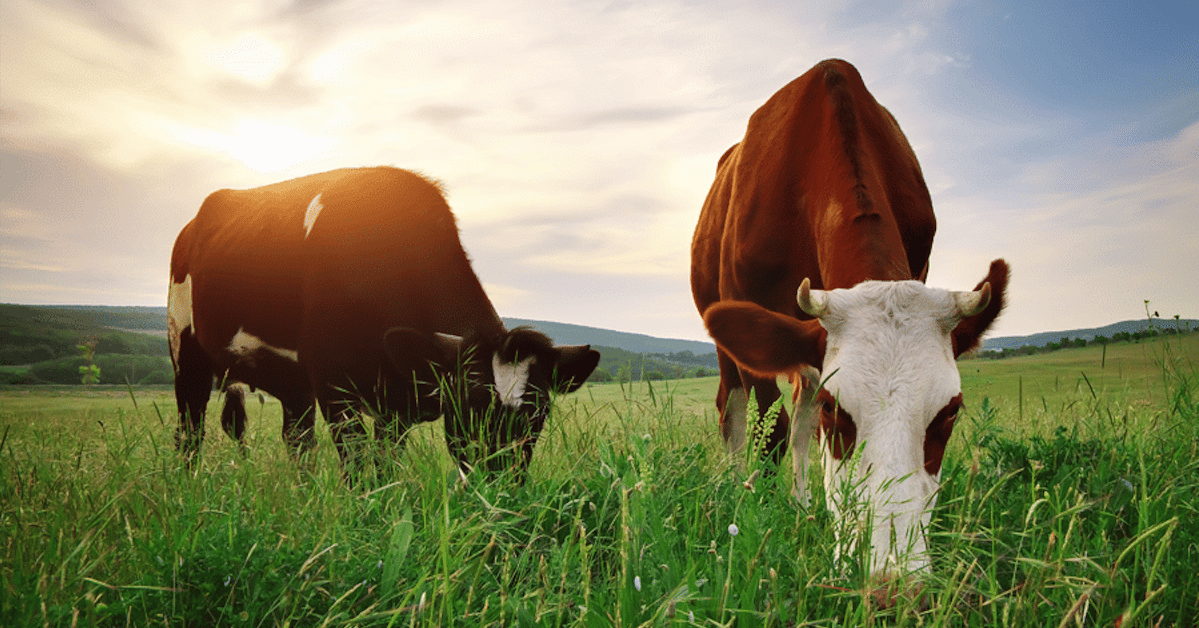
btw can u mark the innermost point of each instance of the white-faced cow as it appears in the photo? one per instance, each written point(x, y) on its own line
point(349, 290)
point(811, 253)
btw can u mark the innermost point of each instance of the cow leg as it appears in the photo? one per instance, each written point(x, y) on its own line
point(299, 424)
point(349, 436)
point(731, 403)
point(804, 418)
point(233, 415)
point(193, 385)
point(771, 438)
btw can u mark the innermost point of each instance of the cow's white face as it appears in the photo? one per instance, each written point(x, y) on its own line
point(890, 396)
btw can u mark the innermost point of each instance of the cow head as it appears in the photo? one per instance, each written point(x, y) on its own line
point(494, 392)
point(891, 391)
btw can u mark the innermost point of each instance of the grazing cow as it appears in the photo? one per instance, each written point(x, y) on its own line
point(349, 290)
point(825, 195)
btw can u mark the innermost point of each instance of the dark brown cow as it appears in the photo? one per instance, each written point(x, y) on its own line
point(349, 290)
point(825, 196)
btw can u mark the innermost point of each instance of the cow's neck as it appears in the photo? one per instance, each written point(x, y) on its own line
point(860, 245)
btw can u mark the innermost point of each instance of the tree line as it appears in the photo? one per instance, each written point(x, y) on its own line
point(1066, 342)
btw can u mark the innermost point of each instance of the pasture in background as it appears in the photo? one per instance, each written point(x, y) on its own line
point(1070, 494)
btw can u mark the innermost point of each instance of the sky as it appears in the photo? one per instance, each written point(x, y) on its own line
point(577, 140)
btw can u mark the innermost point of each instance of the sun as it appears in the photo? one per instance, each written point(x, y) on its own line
point(268, 147)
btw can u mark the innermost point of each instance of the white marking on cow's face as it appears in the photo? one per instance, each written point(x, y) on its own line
point(244, 346)
point(314, 210)
point(511, 379)
point(179, 313)
point(891, 368)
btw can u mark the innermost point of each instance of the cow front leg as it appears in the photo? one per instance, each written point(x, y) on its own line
point(299, 424)
point(767, 435)
point(233, 415)
point(805, 416)
point(349, 436)
point(193, 385)
point(731, 403)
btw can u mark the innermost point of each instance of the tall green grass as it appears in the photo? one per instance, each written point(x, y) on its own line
point(630, 516)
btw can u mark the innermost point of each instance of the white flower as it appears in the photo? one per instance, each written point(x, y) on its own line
point(733, 529)
point(691, 616)
point(637, 582)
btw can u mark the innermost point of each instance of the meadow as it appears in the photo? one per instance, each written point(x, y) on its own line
point(1069, 498)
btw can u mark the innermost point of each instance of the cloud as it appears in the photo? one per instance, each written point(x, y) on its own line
point(576, 140)
point(1090, 237)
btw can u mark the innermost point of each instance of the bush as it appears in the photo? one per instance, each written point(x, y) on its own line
point(114, 369)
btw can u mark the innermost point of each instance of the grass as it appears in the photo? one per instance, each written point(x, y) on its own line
point(1078, 509)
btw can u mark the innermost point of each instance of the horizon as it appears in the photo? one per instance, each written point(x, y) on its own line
point(577, 141)
point(986, 338)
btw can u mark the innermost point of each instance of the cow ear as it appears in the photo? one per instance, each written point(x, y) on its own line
point(968, 334)
point(765, 342)
point(410, 349)
point(573, 366)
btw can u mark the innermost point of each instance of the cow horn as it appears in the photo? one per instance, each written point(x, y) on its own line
point(972, 302)
point(814, 302)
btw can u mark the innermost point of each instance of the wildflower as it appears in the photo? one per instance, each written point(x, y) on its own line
point(691, 616)
point(637, 582)
point(733, 529)
point(748, 484)
point(227, 578)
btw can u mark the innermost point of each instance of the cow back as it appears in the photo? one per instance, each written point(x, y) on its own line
point(823, 186)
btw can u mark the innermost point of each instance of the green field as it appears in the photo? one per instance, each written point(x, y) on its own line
point(1069, 498)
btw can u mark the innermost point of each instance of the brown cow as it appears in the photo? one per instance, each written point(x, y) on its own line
point(349, 290)
point(825, 196)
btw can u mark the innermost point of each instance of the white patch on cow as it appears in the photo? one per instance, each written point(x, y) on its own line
point(179, 314)
point(892, 369)
point(511, 379)
point(245, 345)
point(314, 210)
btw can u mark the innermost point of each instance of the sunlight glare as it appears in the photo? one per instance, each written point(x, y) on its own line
point(269, 147)
point(250, 57)
point(263, 146)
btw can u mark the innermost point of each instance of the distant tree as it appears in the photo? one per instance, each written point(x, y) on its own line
point(600, 376)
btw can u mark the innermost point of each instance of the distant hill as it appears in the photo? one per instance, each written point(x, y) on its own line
point(52, 331)
point(153, 320)
point(1044, 338)
point(567, 334)
point(92, 317)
